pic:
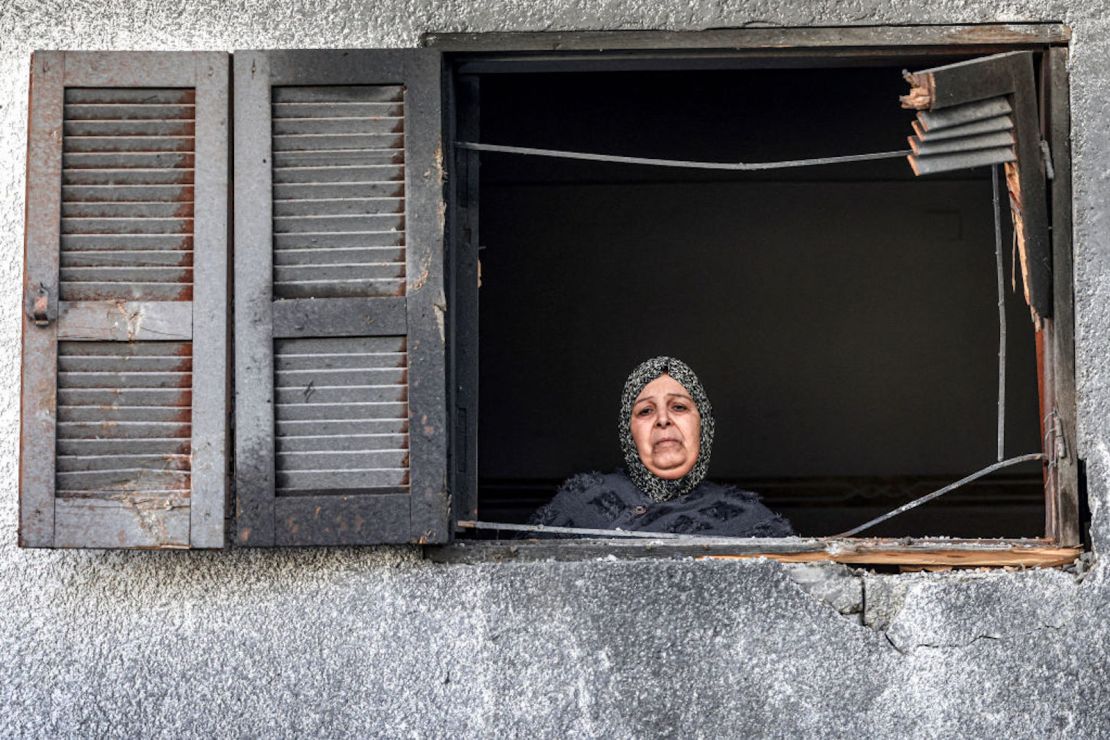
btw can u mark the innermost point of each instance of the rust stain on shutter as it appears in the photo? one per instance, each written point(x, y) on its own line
point(123, 439)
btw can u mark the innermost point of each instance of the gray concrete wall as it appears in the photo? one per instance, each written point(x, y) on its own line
point(379, 642)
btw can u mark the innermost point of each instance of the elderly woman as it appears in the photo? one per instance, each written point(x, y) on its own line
point(666, 430)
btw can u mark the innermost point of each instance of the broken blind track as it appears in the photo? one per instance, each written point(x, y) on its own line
point(339, 191)
point(127, 194)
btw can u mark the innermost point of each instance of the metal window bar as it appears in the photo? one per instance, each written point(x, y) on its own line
point(1001, 316)
point(688, 164)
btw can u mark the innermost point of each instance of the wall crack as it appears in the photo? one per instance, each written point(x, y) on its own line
point(977, 638)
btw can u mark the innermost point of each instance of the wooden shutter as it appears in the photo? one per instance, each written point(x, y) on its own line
point(340, 408)
point(123, 436)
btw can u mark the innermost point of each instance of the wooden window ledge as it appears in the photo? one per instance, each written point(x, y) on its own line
point(921, 553)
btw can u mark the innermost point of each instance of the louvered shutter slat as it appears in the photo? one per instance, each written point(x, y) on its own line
point(333, 326)
point(130, 255)
point(128, 167)
point(370, 167)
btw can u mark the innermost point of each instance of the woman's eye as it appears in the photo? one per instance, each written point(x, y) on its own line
point(644, 411)
point(679, 407)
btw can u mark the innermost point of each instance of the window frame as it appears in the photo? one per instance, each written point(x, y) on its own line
point(467, 55)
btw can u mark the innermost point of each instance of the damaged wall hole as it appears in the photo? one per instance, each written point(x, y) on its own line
point(870, 599)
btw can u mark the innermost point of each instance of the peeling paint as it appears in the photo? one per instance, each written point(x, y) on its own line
point(132, 319)
point(440, 309)
point(422, 278)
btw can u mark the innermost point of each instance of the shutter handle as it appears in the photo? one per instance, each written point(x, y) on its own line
point(42, 308)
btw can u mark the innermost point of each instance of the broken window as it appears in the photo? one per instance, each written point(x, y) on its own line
point(844, 315)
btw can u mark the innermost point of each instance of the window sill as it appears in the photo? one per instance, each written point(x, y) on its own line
point(922, 553)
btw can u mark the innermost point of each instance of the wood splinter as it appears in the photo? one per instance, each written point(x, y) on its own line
point(1013, 186)
point(920, 96)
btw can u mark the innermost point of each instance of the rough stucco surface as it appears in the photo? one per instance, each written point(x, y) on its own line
point(365, 642)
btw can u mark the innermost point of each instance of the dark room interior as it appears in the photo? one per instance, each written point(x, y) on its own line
point(842, 318)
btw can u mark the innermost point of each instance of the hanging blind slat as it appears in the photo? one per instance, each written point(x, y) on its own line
point(964, 136)
point(961, 110)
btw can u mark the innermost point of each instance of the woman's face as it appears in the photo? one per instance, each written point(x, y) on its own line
point(666, 428)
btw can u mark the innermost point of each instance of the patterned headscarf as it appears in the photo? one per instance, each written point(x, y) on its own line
point(660, 489)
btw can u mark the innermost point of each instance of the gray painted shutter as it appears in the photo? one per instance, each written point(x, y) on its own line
point(123, 429)
point(340, 389)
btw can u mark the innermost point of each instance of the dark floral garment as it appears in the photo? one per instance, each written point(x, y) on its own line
point(612, 501)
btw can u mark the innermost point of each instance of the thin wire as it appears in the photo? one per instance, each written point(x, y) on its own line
point(735, 166)
point(1001, 318)
point(586, 532)
point(546, 529)
point(1036, 456)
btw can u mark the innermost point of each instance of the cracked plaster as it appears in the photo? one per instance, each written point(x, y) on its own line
point(343, 642)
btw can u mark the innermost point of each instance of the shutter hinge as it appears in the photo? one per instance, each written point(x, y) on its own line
point(42, 308)
point(1059, 443)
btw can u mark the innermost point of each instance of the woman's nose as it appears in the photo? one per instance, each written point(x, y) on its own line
point(662, 419)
